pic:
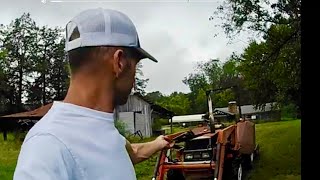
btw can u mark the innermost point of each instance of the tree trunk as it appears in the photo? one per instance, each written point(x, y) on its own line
point(60, 86)
point(43, 75)
point(43, 87)
point(19, 100)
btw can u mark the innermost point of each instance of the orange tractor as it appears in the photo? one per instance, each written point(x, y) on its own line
point(209, 152)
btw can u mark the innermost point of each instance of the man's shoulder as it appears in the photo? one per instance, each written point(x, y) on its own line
point(48, 127)
point(44, 156)
point(44, 133)
point(46, 145)
point(43, 139)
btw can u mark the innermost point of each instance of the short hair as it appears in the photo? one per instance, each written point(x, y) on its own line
point(82, 56)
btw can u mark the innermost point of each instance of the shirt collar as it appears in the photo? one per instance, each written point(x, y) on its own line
point(82, 111)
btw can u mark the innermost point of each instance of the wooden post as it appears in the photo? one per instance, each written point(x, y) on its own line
point(171, 125)
point(134, 122)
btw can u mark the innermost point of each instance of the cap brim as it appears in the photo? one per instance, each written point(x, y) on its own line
point(145, 54)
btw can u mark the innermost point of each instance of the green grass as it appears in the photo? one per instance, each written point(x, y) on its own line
point(280, 151)
point(9, 151)
point(280, 147)
point(174, 129)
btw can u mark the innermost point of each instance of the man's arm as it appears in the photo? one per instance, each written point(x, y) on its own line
point(139, 152)
point(43, 157)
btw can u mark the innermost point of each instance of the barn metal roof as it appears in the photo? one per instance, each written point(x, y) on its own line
point(187, 118)
point(34, 114)
point(248, 109)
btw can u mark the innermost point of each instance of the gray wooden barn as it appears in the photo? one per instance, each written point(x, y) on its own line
point(139, 114)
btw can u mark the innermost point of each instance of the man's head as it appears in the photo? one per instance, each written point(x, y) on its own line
point(104, 45)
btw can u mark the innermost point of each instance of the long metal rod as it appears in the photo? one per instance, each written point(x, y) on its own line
point(211, 117)
point(216, 170)
point(157, 166)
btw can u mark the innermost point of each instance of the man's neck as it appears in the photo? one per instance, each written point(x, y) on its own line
point(88, 94)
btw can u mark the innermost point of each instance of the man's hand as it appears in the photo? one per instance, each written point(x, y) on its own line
point(162, 142)
point(142, 151)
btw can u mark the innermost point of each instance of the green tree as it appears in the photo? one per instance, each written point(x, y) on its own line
point(44, 51)
point(213, 75)
point(232, 76)
point(177, 102)
point(274, 76)
point(140, 82)
point(50, 71)
point(257, 15)
point(59, 72)
point(206, 76)
point(33, 64)
point(4, 86)
point(271, 67)
point(18, 39)
point(154, 96)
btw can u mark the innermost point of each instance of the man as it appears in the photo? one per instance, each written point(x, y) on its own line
point(77, 138)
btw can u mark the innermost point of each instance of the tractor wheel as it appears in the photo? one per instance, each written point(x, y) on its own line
point(247, 161)
point(174, 174)
point(239, 173)
point(237, 170)
point(257, 151)
point(233, 170)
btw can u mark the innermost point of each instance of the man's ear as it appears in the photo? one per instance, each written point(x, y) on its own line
point(118, 62)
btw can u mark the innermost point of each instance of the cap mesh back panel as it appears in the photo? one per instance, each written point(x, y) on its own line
point(93, 23)
point(119, 24)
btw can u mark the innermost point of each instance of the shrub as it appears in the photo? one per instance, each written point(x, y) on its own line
point(289, 111)
point(158, 123)
point(121, 126)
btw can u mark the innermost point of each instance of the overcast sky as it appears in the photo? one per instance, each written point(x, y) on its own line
point(176, 32)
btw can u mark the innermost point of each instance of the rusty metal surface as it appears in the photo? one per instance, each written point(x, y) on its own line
point(225, 133)
point(221, 165)
point(189, 166)
point(245, 134)
point(39, 112)
point(161, 169)
point(198, 174)
point(200, 130)
point(171, 137)
point(204, 131)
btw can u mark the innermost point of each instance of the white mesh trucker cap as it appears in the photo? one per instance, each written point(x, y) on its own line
point(104, 27)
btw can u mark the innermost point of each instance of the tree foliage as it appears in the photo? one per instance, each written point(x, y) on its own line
point(140, 82)
point(48, 57)
point(213, 74)
point(17, 40)
point(257, 15)
point(4, 84)
point(271, 67)
point(33, 65)
point(176, 102)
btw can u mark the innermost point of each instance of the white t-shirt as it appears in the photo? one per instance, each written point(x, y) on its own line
point(75, 143)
